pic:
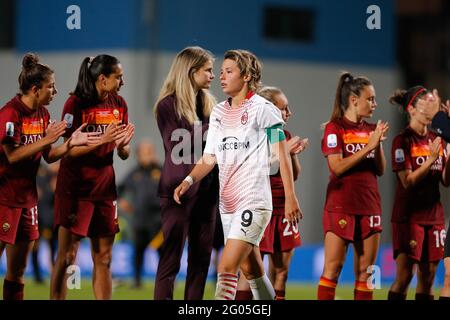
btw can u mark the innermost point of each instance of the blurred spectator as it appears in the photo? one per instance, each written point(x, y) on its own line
point(138, 197)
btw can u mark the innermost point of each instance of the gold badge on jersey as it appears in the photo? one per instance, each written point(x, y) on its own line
point(6, 226)
point(116, 113)
point(412, 244)
point(342, 223)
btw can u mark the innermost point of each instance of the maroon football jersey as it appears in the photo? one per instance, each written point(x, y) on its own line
point(276, 184)
point(355, 191)
point(420, 203)
point(91, 176)
point(19, 126)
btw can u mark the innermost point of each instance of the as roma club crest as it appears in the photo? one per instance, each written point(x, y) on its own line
point(244, 117)
point(342, 223)
point(116, 113)
point(413, 244)
point(6, 226)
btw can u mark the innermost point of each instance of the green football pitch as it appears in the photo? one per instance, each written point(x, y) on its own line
point(123, 291)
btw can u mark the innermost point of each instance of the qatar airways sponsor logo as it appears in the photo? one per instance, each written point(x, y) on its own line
point(355, 147)
point(30, 138)
point(233, 143)
point(437, 165)
point(96, 128)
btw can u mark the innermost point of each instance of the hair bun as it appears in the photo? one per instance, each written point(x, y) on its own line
point(348, 78)
point(29, 61)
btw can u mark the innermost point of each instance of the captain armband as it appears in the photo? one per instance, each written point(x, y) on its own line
point(275, 133)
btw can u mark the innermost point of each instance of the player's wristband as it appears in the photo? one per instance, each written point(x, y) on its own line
point(189, 180)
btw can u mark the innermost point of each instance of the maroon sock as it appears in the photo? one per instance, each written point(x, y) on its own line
point(244, 295)
point(327, 289)
point(12, 290)
point(396, 295)
point(424, 296)
point(280, 294)
point(362, 295)
point(362, 292)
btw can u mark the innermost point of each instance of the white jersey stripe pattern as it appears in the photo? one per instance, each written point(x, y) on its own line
point(238, 139)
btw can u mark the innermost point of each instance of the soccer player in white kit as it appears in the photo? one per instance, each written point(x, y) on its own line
point(243, 130)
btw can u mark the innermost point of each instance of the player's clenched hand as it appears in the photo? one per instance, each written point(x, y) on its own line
point(292, 211)
point(180, 190)
point(79, 138)
point(55, 130)
point(114, 131)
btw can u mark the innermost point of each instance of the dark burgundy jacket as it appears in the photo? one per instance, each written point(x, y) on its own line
point(171, 126)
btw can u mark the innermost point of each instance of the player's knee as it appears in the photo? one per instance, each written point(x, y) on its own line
point(427, 278)
point(332, 270)
point(16, 273)
point(69, 258)
point(253, 272)
point(404, 278)
point(103, 259)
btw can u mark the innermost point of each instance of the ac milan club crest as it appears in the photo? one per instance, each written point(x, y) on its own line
point(244, 117)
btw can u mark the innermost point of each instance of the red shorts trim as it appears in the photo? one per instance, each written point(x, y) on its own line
point(351, 227)
point(87, 218)
point(423, 243)
point(280, 236)
point(18, 224)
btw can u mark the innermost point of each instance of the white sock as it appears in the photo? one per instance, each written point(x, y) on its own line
point(226, 286)
point(262, 289)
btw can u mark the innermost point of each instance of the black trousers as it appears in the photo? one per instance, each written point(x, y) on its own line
point(142, 237)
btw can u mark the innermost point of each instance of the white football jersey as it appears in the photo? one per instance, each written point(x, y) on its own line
point(238, 139)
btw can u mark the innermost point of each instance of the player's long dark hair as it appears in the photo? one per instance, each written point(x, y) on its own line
point(90, 70)
point(33, 73)
point(347, 86)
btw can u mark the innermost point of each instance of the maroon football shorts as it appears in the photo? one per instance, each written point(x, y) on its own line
point(423, 243)
point(18, 224)
point(351, 227)
point(280, 235)
point(93, 219)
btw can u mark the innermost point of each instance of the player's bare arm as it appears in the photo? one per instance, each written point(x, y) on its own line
point(78, 138)
point(114, 131)
point(18, 153)
point(292, 208)
point(201, 169)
